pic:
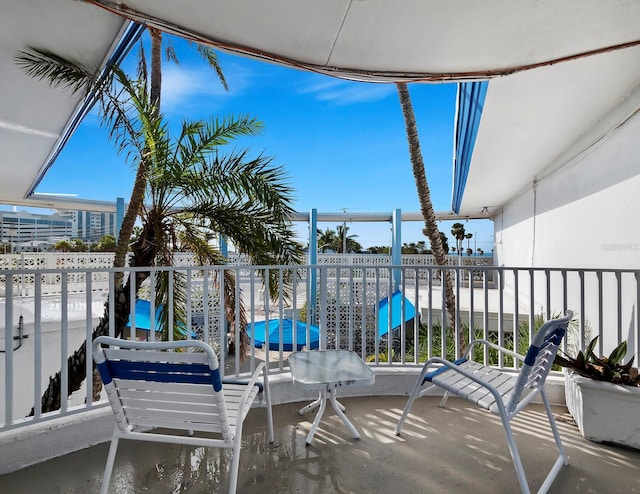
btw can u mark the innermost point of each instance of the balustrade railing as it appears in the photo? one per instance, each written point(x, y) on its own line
point(33, 261)
point(389, 315)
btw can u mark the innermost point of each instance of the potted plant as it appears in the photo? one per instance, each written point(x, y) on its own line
point(603, 395)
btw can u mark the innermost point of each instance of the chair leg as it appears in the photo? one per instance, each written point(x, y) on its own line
point(108, 469)
point(412, 397)
point(444, 399)
point(515, 455)
point(267, 396)
point(554, 427)
point(235, 465)
point(562, 459)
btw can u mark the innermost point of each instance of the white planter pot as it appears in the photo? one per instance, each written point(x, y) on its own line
point(604, 412)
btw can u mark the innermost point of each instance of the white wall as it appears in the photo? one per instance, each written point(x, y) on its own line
point(584, 212)
point(587, 214)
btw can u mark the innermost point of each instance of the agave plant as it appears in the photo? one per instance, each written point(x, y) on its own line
point(610, 369)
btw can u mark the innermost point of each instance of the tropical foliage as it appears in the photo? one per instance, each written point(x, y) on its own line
point(75, 245)
point(432, 342)
point(196, 192)
point(336, 240)
point(610, 369)
point(415, 248)
point(189, 188)
point(106, 243)
point(446, 347)
point(380, 249)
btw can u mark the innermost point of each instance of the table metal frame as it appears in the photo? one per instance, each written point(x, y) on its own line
point(325, 371)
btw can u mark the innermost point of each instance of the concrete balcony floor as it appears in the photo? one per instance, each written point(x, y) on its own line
point(459, 448)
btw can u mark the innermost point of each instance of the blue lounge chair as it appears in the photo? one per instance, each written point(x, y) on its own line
point(143, 318)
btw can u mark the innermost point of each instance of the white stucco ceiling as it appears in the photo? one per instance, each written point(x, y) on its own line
point(33, 116)
point(538, 120)
point(391, 39)
point(531, 115)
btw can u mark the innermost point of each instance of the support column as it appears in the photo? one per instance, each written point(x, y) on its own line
point(396, 246)
point(313, 261)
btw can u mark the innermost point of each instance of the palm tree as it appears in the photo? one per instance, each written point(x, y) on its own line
point(424, 196)
point(347, 243)
point(115, 96)
point(155, 90)
point(194, 191)
point(458, 232)
point(327, 239)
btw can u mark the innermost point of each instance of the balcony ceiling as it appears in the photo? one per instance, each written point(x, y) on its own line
point(370, 40)
point(33, 116)
point(536, 122)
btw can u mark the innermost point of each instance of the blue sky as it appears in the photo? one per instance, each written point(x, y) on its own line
point(343, 144)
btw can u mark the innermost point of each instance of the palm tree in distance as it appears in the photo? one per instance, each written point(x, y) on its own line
point(458, 232)
point(327, 239)
point(347, 243)
point(424, 196)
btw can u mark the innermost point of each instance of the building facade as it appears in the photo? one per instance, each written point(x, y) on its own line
point(90, 226)
point(21, 231)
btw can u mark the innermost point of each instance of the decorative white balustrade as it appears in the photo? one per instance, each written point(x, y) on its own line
point(46, 313)
point(80, 261)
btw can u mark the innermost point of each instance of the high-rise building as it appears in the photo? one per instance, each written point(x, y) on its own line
point(25, 231)
point(90, 226)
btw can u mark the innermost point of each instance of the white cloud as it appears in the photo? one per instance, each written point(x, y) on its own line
point(184, 87)
point(343, 92)
point(180, 84)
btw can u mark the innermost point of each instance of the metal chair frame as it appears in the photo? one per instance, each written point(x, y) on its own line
point(176, 386)
point(502, 393)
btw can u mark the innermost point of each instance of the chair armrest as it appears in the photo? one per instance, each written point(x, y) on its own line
point(495, 347)
point(261, 368)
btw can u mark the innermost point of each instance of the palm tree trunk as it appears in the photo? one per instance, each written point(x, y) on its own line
point(156, 68)
point(426, 206)
point(51, 398)
point(137, 193)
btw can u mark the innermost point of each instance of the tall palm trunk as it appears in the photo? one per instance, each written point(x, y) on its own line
point(137, 193)
point(51, 398)
point(426, 207)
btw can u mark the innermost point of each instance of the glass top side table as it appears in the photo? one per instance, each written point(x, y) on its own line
point(325, 371)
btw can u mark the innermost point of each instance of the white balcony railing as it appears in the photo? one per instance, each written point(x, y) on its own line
point(47, 313)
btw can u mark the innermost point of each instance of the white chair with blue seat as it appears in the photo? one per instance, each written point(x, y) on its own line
point(151, 385)
point(502, 393)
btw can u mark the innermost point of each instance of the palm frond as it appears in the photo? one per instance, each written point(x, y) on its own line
point(211, 57)
point(170, 54)
point(57, 71)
